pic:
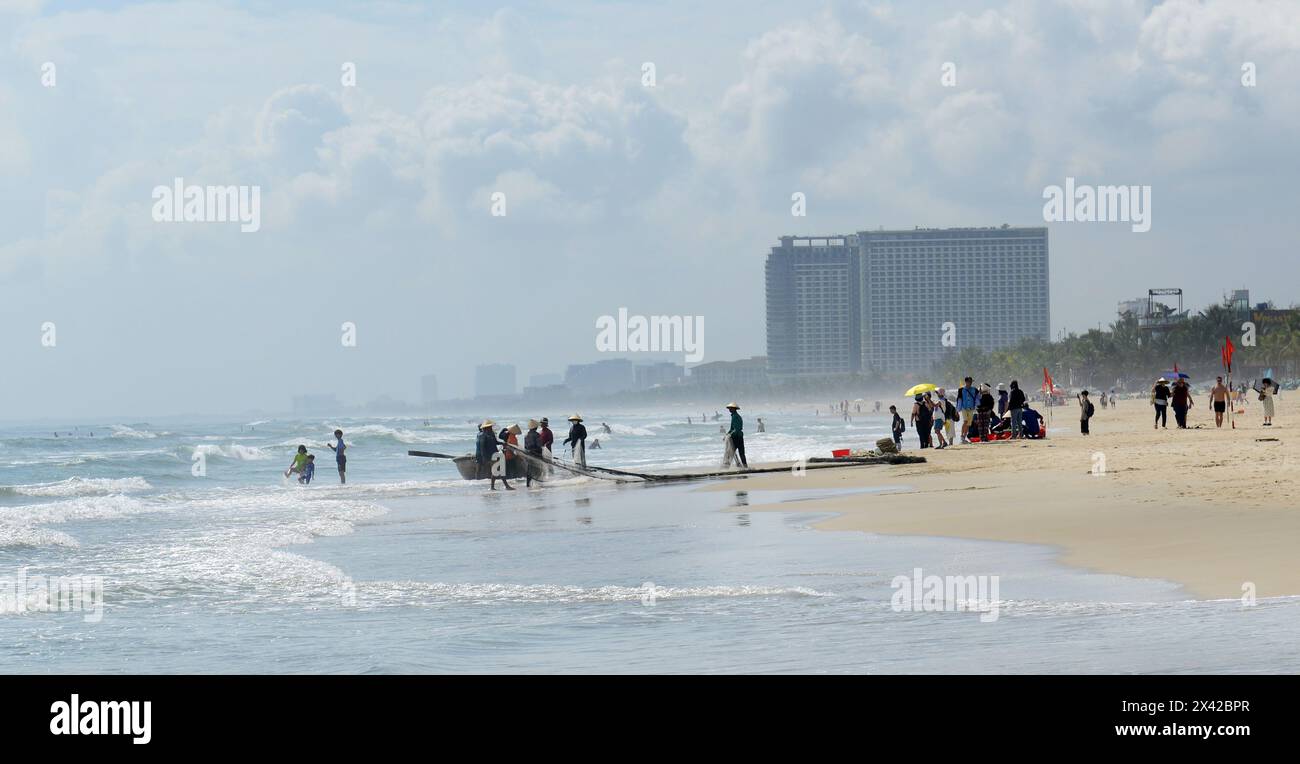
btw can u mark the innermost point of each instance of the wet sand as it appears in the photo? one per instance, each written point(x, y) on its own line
point(1210, 509)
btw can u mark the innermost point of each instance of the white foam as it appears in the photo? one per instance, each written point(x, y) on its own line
point(79, 486)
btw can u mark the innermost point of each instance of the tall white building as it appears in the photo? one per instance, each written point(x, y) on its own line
point(898, 301)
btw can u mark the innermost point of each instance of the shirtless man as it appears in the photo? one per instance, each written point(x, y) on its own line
point(1219, 401)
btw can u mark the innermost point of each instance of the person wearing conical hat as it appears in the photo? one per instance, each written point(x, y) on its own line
point(532, 447)
point(577, 440)
point(737, 433)
point(485, 453)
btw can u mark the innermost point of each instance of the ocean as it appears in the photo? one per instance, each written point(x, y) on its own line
point(410, 569)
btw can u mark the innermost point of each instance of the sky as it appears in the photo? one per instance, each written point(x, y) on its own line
point(376, 196)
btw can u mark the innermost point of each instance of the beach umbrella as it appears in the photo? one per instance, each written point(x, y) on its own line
point(924, 387)
point(1175, 375)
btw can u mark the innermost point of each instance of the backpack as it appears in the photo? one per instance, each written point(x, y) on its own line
point(1091, 409)
point(950, 411)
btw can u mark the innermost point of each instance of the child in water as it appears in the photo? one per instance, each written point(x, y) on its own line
point(309, 471)
point(299, 462)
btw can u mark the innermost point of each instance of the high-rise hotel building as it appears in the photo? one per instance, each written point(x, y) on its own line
point(885, 301)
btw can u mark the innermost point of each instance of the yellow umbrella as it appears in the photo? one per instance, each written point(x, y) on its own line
point(924, 387)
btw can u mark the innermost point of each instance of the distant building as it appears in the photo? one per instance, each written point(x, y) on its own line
point(494, 379)
point(1137, 307)
point(428, 390)
point(648, 375)
point(545, 380)
point(814, 311)
point(614, 375)
point(883, 301)
point(748, 373)
point(311, 405)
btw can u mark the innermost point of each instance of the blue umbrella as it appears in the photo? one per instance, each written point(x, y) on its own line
point(1175, 375)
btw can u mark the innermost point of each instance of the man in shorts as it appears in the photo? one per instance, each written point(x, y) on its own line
point(967, 401)
point(1219, 401)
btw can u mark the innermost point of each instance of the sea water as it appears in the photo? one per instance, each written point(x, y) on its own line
point(410, 569)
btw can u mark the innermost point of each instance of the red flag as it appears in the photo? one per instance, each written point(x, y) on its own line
point(1047, 381)
point(1227, 353)
point(1175, 369)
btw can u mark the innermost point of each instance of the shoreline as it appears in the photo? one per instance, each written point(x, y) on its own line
point(1210, 510)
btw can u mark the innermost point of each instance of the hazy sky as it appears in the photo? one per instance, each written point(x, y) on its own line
point(375, 203)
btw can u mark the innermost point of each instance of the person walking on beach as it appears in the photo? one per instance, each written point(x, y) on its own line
point(485, 449)
point(1160, 399)
point(340, 457)
point(1181, 398)
point(897, 426)
point(940, 417)
point(967, 402)
point(1016, 405)
point(921, 418)
point(577, 440)
point(737, 433)
point(1219, 395)
point(1086, 410)
point(1266, 392)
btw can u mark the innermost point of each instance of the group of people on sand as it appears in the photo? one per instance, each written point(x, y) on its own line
point(498, 454)
point(1178, 396)
point(936, 416)
point(304, 464)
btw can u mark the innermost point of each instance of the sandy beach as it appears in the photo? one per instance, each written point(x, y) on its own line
point(1208, 509)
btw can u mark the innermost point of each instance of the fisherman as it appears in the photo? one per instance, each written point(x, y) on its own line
point(532, 447)
point(485, 451)
point(761, 427)
point(515, 466)
point(605, 427)
point(548, 438)
point(547, 442)
point(578, 440)
point(737, 433)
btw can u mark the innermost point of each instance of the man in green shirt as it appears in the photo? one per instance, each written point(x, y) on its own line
point(737, 433)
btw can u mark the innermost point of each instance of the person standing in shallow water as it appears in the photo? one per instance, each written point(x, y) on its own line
point(485, 449)
point(736, 433)
point(340, 457)
point(578, 440)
